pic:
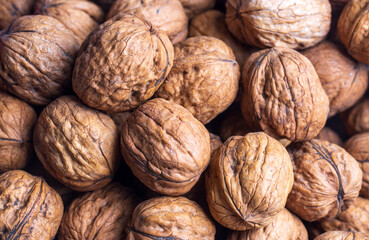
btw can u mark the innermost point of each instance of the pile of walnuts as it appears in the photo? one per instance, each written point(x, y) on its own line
point(184, 119)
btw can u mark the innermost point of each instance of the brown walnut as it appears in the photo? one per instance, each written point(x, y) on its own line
point(248, 181)
point(215, 142)
point(13, 9)
point(122, 64)
point(165, 147)
point(170, 218)
point(77, 145)
point(17, 120)
point(204, 78)
point(356, 120)
point(283, 95)
point(327, 134)
point(280, 23)
point(196, 7)
point(37, 54)
point(29, 208)
point(100, 214)
point(341, 235)
point(327, 180)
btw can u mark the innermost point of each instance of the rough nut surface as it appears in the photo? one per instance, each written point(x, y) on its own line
point(204, 78)
point(248, 181)
point(327, 134)
point(122, 64)
point(285, 226)
point(280, 23)
point(283, 95)
point(17, 120)
point(13, 9)
point(170, 218)
point(100, 214)
point(327, 180)
point(356, 120)
point(165, 15)
point(29, 208)
point(165, 147)
point(77, 145)
point(341, 235)
point(37, 54)
point(195, 7)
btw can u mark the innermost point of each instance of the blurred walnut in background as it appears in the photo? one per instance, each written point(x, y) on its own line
point(356, 119)
point(13, 9)
point(327, 134)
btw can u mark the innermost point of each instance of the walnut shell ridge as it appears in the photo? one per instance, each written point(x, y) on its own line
point(341, 235)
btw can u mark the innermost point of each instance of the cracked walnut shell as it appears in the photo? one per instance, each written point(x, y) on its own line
point(341, 235)
point(13, 9)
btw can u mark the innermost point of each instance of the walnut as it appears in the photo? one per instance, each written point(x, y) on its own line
point(79, 16)
point(17, 119)
point(327, 134)
point(165, 15)
point(248, 181)
point(170, 218)
point(29, 208)
point(344, 80)
point(327, 180)
point(283, 95)
point(100, 214)
point(285, 226)
point(281, 23)
point(195, 7)
point(211, 23)
point(13, 9)
point(356, 120)
point(37, 54)
point(165, 147)
point(122, 64)
point(76, 144)
point(215, 142)
point(204, 78)
point(341, 235)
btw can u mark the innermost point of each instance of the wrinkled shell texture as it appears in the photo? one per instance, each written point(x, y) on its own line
point(170, 218)
point(76, 144)
point(29, 208)
point(165, 147)
point(344, 80)
point(327, 134)
point(195, 7)
point(327, 180)
point(204, 78)
point(37, 54)
point(101, 214)
point(283, 95)
point(280, 23)
point(165, 15)
point(79, 16)
point(211, 23)
point(248, 181)
point(122, 64)
point(17, 120)
point(356, 120)
point(341, 235)
point(285, 226)
point(13, 9)
point(353, 27)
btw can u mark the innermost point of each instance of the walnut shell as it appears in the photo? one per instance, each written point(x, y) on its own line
point(29, 208)
point(283, 95)
point(170, 218)
point(248, 181)
point(165, 147)
point(13, 9)
point(165, 15)
point(215, 142)
point(37, 54)
point(327, 134)
point(79, 16)
point(285, 226)
point(17, 119)
point(100, 214)
point(327, 180)
point(281, 23)
point(122, 64)
point(341, 235)
point(77, 145)
point(204, 78)
point(356, 120)
point(195, 7)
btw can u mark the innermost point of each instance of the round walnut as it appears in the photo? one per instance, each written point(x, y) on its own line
point(77, 145)
point(285, 226)
point(283, 95)
point(13, 9)
point(204, 78)
point(327, 180)
point(79, 16)
point(356, 120)
point(100, 214)
point(248, 181)
point(165, 147)
point(195, 7)
point(281, 23)
point(170, 218)
point(37, 54)
point(29, 208)
point(341, 235)
point(122, 64)
point(327, 134)
point(17, 119)
point(165, 15)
